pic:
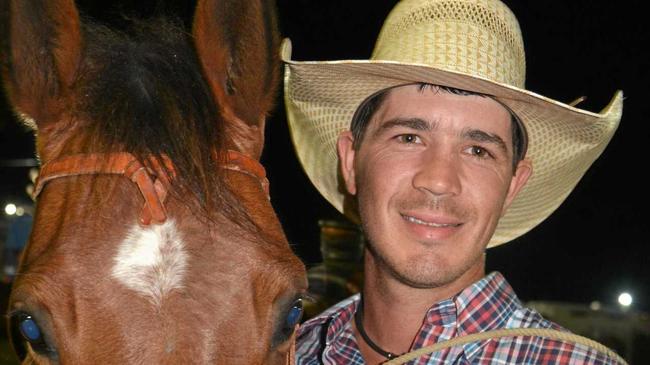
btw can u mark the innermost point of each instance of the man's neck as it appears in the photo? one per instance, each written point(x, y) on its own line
point(394, 311)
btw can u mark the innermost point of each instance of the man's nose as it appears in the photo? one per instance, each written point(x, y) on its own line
point(439, 173)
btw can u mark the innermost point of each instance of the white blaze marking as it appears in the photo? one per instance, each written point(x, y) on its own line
point(151, 260)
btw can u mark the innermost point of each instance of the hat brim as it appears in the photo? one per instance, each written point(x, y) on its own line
point(563, 141)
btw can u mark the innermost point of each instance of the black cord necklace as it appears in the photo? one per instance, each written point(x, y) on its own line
point(358, 320)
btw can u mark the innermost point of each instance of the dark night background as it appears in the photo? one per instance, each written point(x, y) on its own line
point(594, 246)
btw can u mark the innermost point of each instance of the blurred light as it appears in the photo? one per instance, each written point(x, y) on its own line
point(20, 211)
point(33, 174)
point(595, 305)
point(625, 299)
point(10, 209)
point(29, 189)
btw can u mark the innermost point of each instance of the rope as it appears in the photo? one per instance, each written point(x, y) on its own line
point(511, 332)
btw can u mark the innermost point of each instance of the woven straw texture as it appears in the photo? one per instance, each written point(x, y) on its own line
point(473, 45)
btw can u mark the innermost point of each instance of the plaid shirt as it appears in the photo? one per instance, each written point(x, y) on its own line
point(486, 305)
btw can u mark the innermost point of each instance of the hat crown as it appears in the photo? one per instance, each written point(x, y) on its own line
point(480, 38)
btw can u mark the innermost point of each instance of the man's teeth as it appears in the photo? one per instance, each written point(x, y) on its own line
point(430, 224)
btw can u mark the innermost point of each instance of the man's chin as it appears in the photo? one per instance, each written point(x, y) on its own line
point(425, 279)
point(429, 271)
point(426, 274)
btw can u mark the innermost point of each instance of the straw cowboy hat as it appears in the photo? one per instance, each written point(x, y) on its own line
point(474, 45)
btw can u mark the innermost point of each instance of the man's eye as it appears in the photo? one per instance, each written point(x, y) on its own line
point(479, 151)
point(408, 138)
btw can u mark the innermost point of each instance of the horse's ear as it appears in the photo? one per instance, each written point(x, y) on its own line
point(237, 43)
point(39, 55)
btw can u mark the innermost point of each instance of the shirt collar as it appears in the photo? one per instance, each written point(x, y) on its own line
point(492, 294)
point(341, 319)
point(485, 305)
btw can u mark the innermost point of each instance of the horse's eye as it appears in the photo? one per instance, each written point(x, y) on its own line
point(288, 323)
point(30, 330)
point(27, 331)
point(294, 315)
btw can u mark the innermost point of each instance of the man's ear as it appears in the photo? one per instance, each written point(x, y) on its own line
point(522, 173)
point(345, 148)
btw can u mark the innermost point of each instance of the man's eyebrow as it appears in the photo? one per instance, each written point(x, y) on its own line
point(411, 123)
point(483, 136)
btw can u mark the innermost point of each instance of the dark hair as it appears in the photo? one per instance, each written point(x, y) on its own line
point(370, 106)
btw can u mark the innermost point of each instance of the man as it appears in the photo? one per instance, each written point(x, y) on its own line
point(437, 140)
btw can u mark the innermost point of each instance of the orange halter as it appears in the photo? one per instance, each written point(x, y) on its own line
point(153, 182)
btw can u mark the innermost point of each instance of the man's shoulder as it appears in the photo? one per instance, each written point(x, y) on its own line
point(538, 349)
point(525, 317)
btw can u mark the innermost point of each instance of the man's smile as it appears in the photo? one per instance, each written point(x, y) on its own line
point(430, 222)
point(430, 227)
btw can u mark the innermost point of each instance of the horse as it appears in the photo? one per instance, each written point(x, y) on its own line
point(154, 239)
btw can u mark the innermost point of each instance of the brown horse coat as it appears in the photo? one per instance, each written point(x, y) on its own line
point(217, 282)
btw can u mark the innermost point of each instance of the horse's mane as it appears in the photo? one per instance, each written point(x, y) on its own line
point(142, 91)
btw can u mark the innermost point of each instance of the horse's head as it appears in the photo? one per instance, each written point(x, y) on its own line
point(165, 248)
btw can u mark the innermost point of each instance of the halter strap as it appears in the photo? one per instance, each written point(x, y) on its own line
point(153, 181)
point(291, 354)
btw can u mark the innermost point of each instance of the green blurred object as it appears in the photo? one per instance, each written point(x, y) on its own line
point(341, 273)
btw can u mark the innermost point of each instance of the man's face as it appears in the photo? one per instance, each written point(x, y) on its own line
point(432, 176)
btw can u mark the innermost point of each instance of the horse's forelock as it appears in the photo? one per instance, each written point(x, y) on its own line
point(143, 91)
